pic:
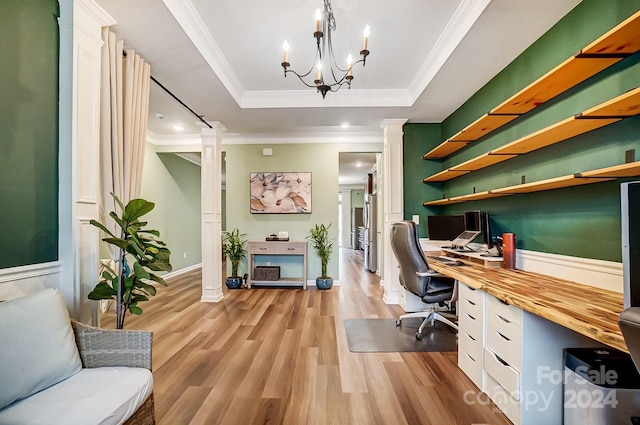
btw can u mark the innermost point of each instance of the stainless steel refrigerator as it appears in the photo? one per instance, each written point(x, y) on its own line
point(370, 233)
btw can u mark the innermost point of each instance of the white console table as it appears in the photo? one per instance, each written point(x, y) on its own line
point(278, 248)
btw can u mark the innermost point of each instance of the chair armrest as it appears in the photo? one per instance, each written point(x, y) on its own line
point(111, 347)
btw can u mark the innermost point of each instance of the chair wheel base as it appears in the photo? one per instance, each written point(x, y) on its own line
point(418, 336)
point(398, 323)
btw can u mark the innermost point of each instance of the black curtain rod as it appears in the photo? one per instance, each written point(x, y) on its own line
point(124, 55)
point(179, 101)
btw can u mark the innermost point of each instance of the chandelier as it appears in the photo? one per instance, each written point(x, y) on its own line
point(329, 76)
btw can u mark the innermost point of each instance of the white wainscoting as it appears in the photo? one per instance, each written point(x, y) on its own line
point(16, 282)
point(598, 273)
point(588, 271)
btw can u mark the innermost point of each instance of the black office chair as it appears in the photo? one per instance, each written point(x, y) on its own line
point(415, 275)
point(629, 323)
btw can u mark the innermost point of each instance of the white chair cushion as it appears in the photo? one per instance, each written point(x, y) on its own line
point(38, 346)
point(104, 395)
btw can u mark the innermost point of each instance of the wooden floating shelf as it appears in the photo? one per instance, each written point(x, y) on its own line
point(611, 111)
point(445, 175)
point(621, 41)
point(549, 184)
point(464, 198)
point(553, 134)
point(631, 169)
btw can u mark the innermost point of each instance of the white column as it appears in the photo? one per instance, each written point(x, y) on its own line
point(211, 196)
point(81, 23)
point(392, 204)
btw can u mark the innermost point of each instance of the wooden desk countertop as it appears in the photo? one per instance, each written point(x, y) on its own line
point(590, 311)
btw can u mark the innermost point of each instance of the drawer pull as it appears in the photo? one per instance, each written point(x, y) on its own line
point(291, 249)
point(263, 249)
point(503, 337)
point(503, 319)
point(471, 302)
point(472, 359)
point(498, 358)
point(469, 336)
point(470, 316)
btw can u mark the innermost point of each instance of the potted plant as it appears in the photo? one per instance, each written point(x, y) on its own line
point(319, 237)
point(235, 249)
point(139, 254)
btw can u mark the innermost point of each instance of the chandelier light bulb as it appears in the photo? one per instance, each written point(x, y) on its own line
point(350, 65)
point(318, 20)
point(366, 32)
point(319, 72)
point(285, 47)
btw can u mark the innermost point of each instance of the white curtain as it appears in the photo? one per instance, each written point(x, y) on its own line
point(123, 123)
point(124, 97)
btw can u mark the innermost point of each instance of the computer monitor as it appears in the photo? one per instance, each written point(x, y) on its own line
point(486, 230)
point(630, 209)
point(444, 227)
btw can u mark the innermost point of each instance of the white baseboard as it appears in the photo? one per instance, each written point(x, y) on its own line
point(598, 273)
point(185, 270)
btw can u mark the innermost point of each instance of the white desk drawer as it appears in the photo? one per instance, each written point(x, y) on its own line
point(506, 403)
point(475, 295)
point(471, 366)
point(508, 329)
point(507, 312)
point(507, 349)
point(503, 373)
point(471, 307)
point(470, 344)
point(470, 324)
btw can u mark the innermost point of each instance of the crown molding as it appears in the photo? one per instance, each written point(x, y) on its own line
point(188, 18)
point(193, 142)
point(461, 22)
point(310, 98)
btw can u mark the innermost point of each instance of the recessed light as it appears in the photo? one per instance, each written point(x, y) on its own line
point(178, 127)
point(358, 164)
point(344, 125)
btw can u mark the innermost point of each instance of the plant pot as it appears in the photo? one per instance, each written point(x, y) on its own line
point(324, 282)
point(233, 282)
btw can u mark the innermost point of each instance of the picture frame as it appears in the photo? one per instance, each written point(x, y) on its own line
point(280, 192)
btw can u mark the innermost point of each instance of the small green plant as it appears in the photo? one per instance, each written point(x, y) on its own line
point(319, 237)
point(235, 248)
point(140, 253)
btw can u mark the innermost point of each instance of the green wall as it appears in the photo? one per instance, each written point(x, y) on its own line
point(416, 139)
point(173, 184)
point(319, 159)
point(581, 221)
point(29, 131)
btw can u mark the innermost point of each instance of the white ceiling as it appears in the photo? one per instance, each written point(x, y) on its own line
point(222, 59)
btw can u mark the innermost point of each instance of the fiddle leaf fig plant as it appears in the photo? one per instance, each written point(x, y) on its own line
point(140, 254)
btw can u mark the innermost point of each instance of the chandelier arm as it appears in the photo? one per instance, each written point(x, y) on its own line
point(324, 52)
point(333, 57)
point(301, 77)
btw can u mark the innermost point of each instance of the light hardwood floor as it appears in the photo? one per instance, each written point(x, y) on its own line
point(280, 356)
